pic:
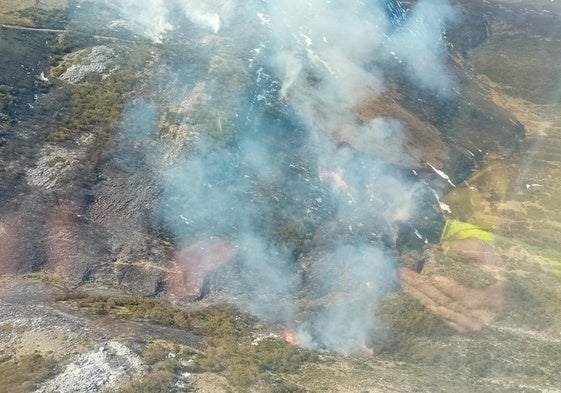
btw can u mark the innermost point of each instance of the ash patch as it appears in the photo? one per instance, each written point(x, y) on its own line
point(53, 164)
point(105, 367)
point(100, 63)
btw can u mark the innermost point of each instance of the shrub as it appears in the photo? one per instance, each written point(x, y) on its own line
point(229, 350)
point(25, 373)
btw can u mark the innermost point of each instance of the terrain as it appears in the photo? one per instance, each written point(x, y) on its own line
point(102, 290)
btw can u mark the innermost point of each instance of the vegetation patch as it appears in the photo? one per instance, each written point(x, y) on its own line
point(530, 73)
point(7, 99)
point(98, 105)
point(530, 303)
point(57, 160)
point(95, 107)
point(9, 328)
point(54, 18)
point(405, 317)
point(230, 350)
point(65, 61)
point(161, 377)
point(6, 96)
point(461, 269)
point(23, 374)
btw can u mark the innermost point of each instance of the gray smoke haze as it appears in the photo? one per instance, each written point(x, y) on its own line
point(153, 18)
point(360, 282)
point(283, 77)
point(420, 44)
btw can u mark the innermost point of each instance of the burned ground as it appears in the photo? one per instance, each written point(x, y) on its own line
point(80, 194)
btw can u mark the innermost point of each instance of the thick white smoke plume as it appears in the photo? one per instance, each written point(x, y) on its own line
point(153, 18)
point(283, 77)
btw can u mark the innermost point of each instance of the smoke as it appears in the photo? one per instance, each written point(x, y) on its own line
point(258, 166)
point(348, 323)
point(149, 18)
point(155, 18)
point(419, 42)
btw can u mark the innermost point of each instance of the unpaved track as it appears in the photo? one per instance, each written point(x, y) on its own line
point(47, 30)
point(24, 300)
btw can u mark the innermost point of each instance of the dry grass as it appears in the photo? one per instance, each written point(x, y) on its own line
point(524, 66)
point(21, 375)
point(23, 12)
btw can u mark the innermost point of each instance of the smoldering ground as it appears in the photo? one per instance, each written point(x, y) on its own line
point(257, 167)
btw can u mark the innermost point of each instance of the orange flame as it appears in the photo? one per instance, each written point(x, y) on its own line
point(290, 337)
